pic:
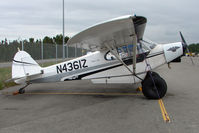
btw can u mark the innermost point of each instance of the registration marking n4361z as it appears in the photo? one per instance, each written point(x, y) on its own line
point(70, 66)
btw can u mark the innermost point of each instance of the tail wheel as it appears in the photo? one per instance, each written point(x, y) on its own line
point(21, 91)
point(154, 87)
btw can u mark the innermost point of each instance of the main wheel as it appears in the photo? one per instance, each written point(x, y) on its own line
point(154, 87)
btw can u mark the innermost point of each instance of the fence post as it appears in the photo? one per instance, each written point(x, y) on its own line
point(67, 50)
point(56, 52)
point(81, 51)
point(75, 50)
point(42, 52)
point(22, 46)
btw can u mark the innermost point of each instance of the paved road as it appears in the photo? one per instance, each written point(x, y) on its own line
point(45, 112)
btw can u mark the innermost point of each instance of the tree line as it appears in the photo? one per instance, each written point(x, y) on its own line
point(194, 48)
point(58, 39)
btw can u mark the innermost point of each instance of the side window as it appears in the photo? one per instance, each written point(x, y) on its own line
point(124, 51)
point(140, 49)
point(109, 56)
point(130, 49)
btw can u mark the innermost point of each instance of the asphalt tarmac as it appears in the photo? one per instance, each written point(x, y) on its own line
point(81, 107)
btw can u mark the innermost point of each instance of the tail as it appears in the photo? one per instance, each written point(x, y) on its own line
point(24, 67)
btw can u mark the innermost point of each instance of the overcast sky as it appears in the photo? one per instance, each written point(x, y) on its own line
point(39, 18)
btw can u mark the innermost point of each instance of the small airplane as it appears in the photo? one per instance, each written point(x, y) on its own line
point(118, 54)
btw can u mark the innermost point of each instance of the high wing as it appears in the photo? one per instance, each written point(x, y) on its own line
point(116, 32)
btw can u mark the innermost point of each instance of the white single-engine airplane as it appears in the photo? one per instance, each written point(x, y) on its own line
point(119, 54)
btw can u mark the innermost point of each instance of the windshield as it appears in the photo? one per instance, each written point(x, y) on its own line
point(148, 44)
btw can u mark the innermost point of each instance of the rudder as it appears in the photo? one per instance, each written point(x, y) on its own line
point(23, 65)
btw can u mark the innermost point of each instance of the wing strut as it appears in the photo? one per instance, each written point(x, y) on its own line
point(116, 55)
point(134, 53)
point(111, 47)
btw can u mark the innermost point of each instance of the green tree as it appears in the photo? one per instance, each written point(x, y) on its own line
point(24, 41)
point(15, 42)
point(31, 40)
point(38, 41)
point(66, 39)
point(6, 41)
point(59, 39)
point(194, 48)
point(47, 40)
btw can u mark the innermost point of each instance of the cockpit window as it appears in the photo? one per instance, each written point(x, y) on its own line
point(142, 48)
point(125, 52)
point(109, 56)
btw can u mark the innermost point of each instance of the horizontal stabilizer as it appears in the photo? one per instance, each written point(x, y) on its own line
point(26, 77)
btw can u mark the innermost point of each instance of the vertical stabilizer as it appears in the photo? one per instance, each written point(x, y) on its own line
point(23, 65)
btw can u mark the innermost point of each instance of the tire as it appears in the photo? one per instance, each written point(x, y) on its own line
point(152, 73)
point(149, 90)
point(155, 74)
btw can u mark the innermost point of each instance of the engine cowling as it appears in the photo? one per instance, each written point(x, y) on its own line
point(173, 51)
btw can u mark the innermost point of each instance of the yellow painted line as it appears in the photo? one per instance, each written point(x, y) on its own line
point(163, 111)
point(80, 93)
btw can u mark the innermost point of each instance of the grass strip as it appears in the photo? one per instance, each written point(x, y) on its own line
point(5, 74)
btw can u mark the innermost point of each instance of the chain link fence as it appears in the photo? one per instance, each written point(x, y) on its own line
point(39, 52)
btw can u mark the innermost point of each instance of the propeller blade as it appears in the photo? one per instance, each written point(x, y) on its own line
point(185, 46)
point(183, 40)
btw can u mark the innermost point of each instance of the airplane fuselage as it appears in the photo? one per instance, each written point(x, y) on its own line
point(97, 68)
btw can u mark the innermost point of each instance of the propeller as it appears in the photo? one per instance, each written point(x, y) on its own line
point(185, 47)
